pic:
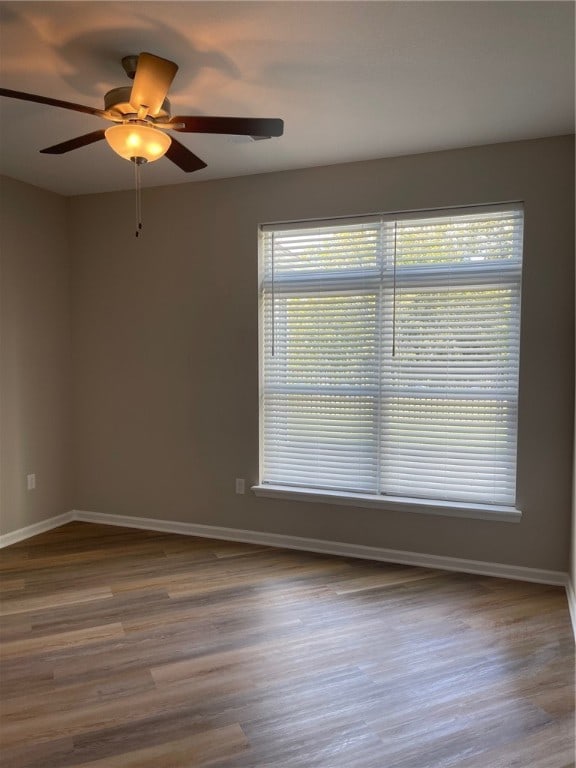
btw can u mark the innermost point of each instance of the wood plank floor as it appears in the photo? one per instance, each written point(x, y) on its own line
point(134, 649)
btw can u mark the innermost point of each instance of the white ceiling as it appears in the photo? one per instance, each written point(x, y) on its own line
point(351, 80)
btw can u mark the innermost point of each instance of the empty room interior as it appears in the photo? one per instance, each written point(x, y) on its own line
point(287, 384)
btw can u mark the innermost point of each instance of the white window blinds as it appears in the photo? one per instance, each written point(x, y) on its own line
point(390, 354)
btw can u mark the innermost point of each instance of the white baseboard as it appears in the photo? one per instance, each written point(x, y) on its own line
point(402, 557)
point(571, 595)
point(33, 530)
point(500, 570)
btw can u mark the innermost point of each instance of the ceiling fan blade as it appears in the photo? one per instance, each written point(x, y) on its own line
point(183, 158)
point(52, 102)
point(79, 141)
point(259, 127)
point(151, 82)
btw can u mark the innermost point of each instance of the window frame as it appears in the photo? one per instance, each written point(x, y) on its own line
point(469, 509)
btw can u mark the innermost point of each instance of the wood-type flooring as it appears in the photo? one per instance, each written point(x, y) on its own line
point(133, 649)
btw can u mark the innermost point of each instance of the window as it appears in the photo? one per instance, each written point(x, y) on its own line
point(389, 354)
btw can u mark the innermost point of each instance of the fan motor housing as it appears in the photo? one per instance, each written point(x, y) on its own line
point(118, 100)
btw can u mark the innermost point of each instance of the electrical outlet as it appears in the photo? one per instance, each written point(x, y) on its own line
point(31, 482)
point(240, 485)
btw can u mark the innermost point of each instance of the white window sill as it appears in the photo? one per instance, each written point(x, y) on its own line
point(398, 503)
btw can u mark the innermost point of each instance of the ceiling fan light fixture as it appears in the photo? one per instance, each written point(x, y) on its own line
point(144, 142)
point(142, 113)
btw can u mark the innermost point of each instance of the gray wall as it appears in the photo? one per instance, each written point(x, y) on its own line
point(35, 355)
point(166, 352)
point(572, 564)
point(572, 568)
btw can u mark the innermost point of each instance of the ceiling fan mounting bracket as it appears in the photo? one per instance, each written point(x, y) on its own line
point(130, 63)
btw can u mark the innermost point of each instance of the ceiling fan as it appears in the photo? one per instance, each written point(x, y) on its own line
point(142, 117)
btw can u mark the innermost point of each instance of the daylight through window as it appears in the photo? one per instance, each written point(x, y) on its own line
point(389, 354)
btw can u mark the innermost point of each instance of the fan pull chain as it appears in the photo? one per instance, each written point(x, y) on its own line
point(394, 294)
point(138, 190)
